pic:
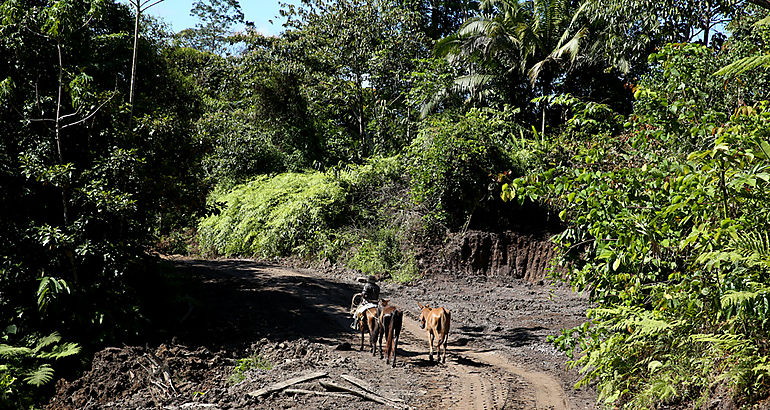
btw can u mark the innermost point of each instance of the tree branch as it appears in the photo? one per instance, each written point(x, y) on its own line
point(91, 114)
point(145, 7)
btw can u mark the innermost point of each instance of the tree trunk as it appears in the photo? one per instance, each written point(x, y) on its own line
point(138, 11)
point(57, 134)
point(361, 129)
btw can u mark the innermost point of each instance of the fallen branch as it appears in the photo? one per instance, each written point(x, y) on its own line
point(284, 384)
point(366, 387)
point(360, 393)
point(167, 377)
point(315, 392)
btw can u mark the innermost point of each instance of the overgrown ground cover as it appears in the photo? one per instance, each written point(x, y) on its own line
point(337, 216)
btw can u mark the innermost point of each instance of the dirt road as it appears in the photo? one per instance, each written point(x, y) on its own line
point(295, 321)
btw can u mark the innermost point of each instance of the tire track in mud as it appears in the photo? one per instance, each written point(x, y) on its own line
point(486, 380)
point(482, 379)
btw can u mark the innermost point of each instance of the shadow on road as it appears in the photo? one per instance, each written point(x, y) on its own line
point(232, 303)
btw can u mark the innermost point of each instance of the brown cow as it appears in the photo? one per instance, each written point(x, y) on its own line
point(370, 322)
point(436, 321)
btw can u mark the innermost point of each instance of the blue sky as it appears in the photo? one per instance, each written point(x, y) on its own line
point(177, 13)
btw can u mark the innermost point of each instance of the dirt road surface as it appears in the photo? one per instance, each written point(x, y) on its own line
point(250, 325)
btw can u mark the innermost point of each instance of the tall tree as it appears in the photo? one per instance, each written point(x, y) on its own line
point(78, 195)
point(216, 21)
point(359, 53)
point(440, 18)
point(140, 6)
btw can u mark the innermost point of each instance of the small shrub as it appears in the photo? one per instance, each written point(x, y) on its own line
point(246, 364)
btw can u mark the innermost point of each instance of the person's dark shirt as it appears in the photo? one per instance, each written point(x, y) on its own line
point(371, 292)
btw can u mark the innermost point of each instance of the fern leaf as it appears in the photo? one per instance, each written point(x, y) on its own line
point(764, 368)
point(664, 389)
point(40, 376)
point(734, 298)
point(751, 249)
point(47, 341)
point(62, 350)
point(724, 342)
point(649, 326)
point(8, 351)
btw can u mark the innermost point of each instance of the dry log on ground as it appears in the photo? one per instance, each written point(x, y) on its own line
point(366, 387)
point(284, 384)
point(361, 393)
point(317, 393)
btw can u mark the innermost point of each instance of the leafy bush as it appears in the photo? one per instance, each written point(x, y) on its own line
point(587, 119)
point(240, 149)
point(383, 251)
point(287, 214)
point(669, 245)
point(452, 155)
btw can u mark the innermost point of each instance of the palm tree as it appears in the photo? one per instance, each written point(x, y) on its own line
point(529, 36)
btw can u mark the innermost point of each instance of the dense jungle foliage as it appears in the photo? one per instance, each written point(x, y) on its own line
point(367, 130)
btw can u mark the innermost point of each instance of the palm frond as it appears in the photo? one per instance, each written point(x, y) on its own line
point(745, 64)
point(475, 26)
point(432, 103)
point(534, 72)
point(572, 47)
point(446, 45)
point(472, 82)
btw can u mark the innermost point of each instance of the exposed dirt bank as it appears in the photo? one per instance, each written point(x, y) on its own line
point(499, 255)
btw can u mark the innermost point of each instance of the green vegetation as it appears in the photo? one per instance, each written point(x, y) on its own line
point(667, 231)
point(312, 215)
point(368, 130)
point(248, 363)
point(273, 216)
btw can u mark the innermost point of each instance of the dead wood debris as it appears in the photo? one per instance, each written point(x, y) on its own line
point(284, 384)
point(361, 389)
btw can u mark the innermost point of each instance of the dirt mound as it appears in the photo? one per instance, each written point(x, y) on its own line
point(173, 375)
point(140, 377)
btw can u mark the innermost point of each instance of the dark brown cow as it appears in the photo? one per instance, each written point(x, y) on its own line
point(390, 324)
